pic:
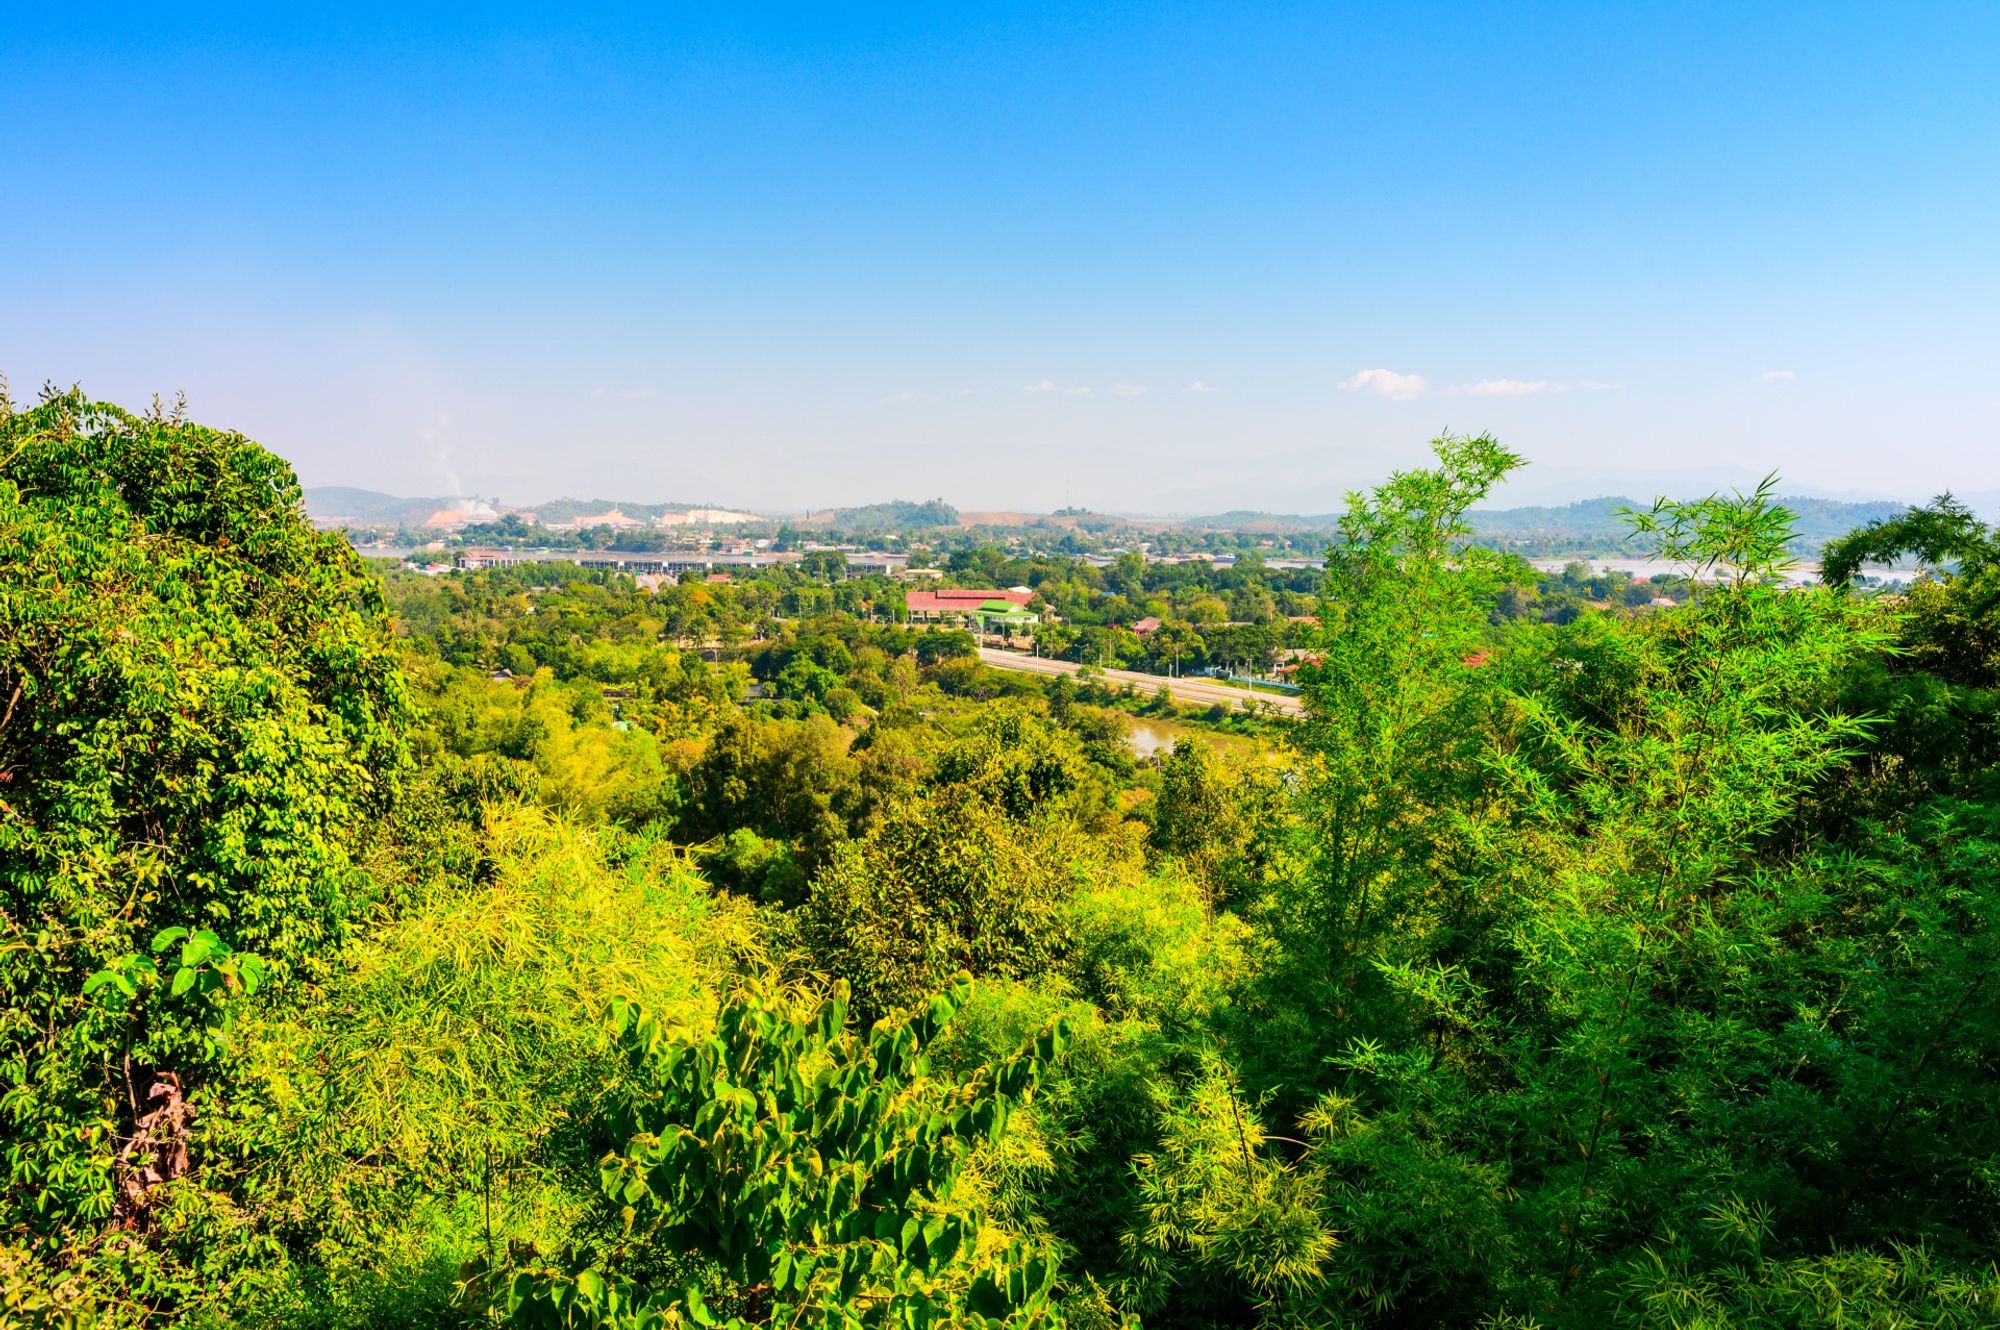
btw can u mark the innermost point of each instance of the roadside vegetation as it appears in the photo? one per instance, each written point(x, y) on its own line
point(529, 947)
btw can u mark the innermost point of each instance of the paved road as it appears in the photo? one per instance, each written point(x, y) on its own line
point(1203, 692)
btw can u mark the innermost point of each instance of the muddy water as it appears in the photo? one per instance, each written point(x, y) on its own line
point(1151, 737)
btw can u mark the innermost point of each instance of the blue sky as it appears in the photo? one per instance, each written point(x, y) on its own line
point(1132, 257)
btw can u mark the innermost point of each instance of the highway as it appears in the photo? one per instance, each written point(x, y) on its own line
point(1200, 692)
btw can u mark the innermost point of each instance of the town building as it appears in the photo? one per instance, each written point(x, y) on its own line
point(702, 561)
point(983, 611)
point(485, 558)
point(872, 563)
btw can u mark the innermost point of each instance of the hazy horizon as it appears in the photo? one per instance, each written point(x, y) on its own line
point(1511, 495)
point(1133, 260)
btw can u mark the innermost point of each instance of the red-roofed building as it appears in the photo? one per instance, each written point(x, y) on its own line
point(954, 603)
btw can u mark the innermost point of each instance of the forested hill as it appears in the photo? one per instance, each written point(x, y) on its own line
point(526, 947)
point(370, 508)
point(895, 515)
point(1591, 527)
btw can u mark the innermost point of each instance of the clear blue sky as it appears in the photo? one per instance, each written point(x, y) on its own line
point(803, 256)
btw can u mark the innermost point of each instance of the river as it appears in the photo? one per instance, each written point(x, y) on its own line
point(1804, 571)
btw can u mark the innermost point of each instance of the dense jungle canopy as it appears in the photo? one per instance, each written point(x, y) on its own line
point(530, 947)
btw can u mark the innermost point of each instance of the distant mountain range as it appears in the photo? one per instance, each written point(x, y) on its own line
point(1596, 524)
point(340, 505)
point(1590, 526)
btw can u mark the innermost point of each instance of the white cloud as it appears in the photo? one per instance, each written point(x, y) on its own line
point(1076, 392)
point(1527, 387)
point(907, 395)
point(1386, 382)
point(1778, 375)
point(1045, 386)
point(1509, 388)
point(1127, 390)
point(1199, 387)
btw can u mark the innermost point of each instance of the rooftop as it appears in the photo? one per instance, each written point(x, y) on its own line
point(961, 601)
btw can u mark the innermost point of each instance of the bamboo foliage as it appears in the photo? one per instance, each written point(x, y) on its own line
point(813, 1167)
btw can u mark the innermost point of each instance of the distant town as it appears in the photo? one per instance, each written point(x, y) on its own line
point(1202, 608)
point(902, 537)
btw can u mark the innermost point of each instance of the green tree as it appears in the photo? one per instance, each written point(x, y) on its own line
point(202, 720)
point(942, 883)
point(1394, 784)
point(1173, 642)
point(1944, 532)
point(1657, 761)
point(824, 565)
point(1054, 640)
point(791, 780)
point(1207, 816)
point(940, 645)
